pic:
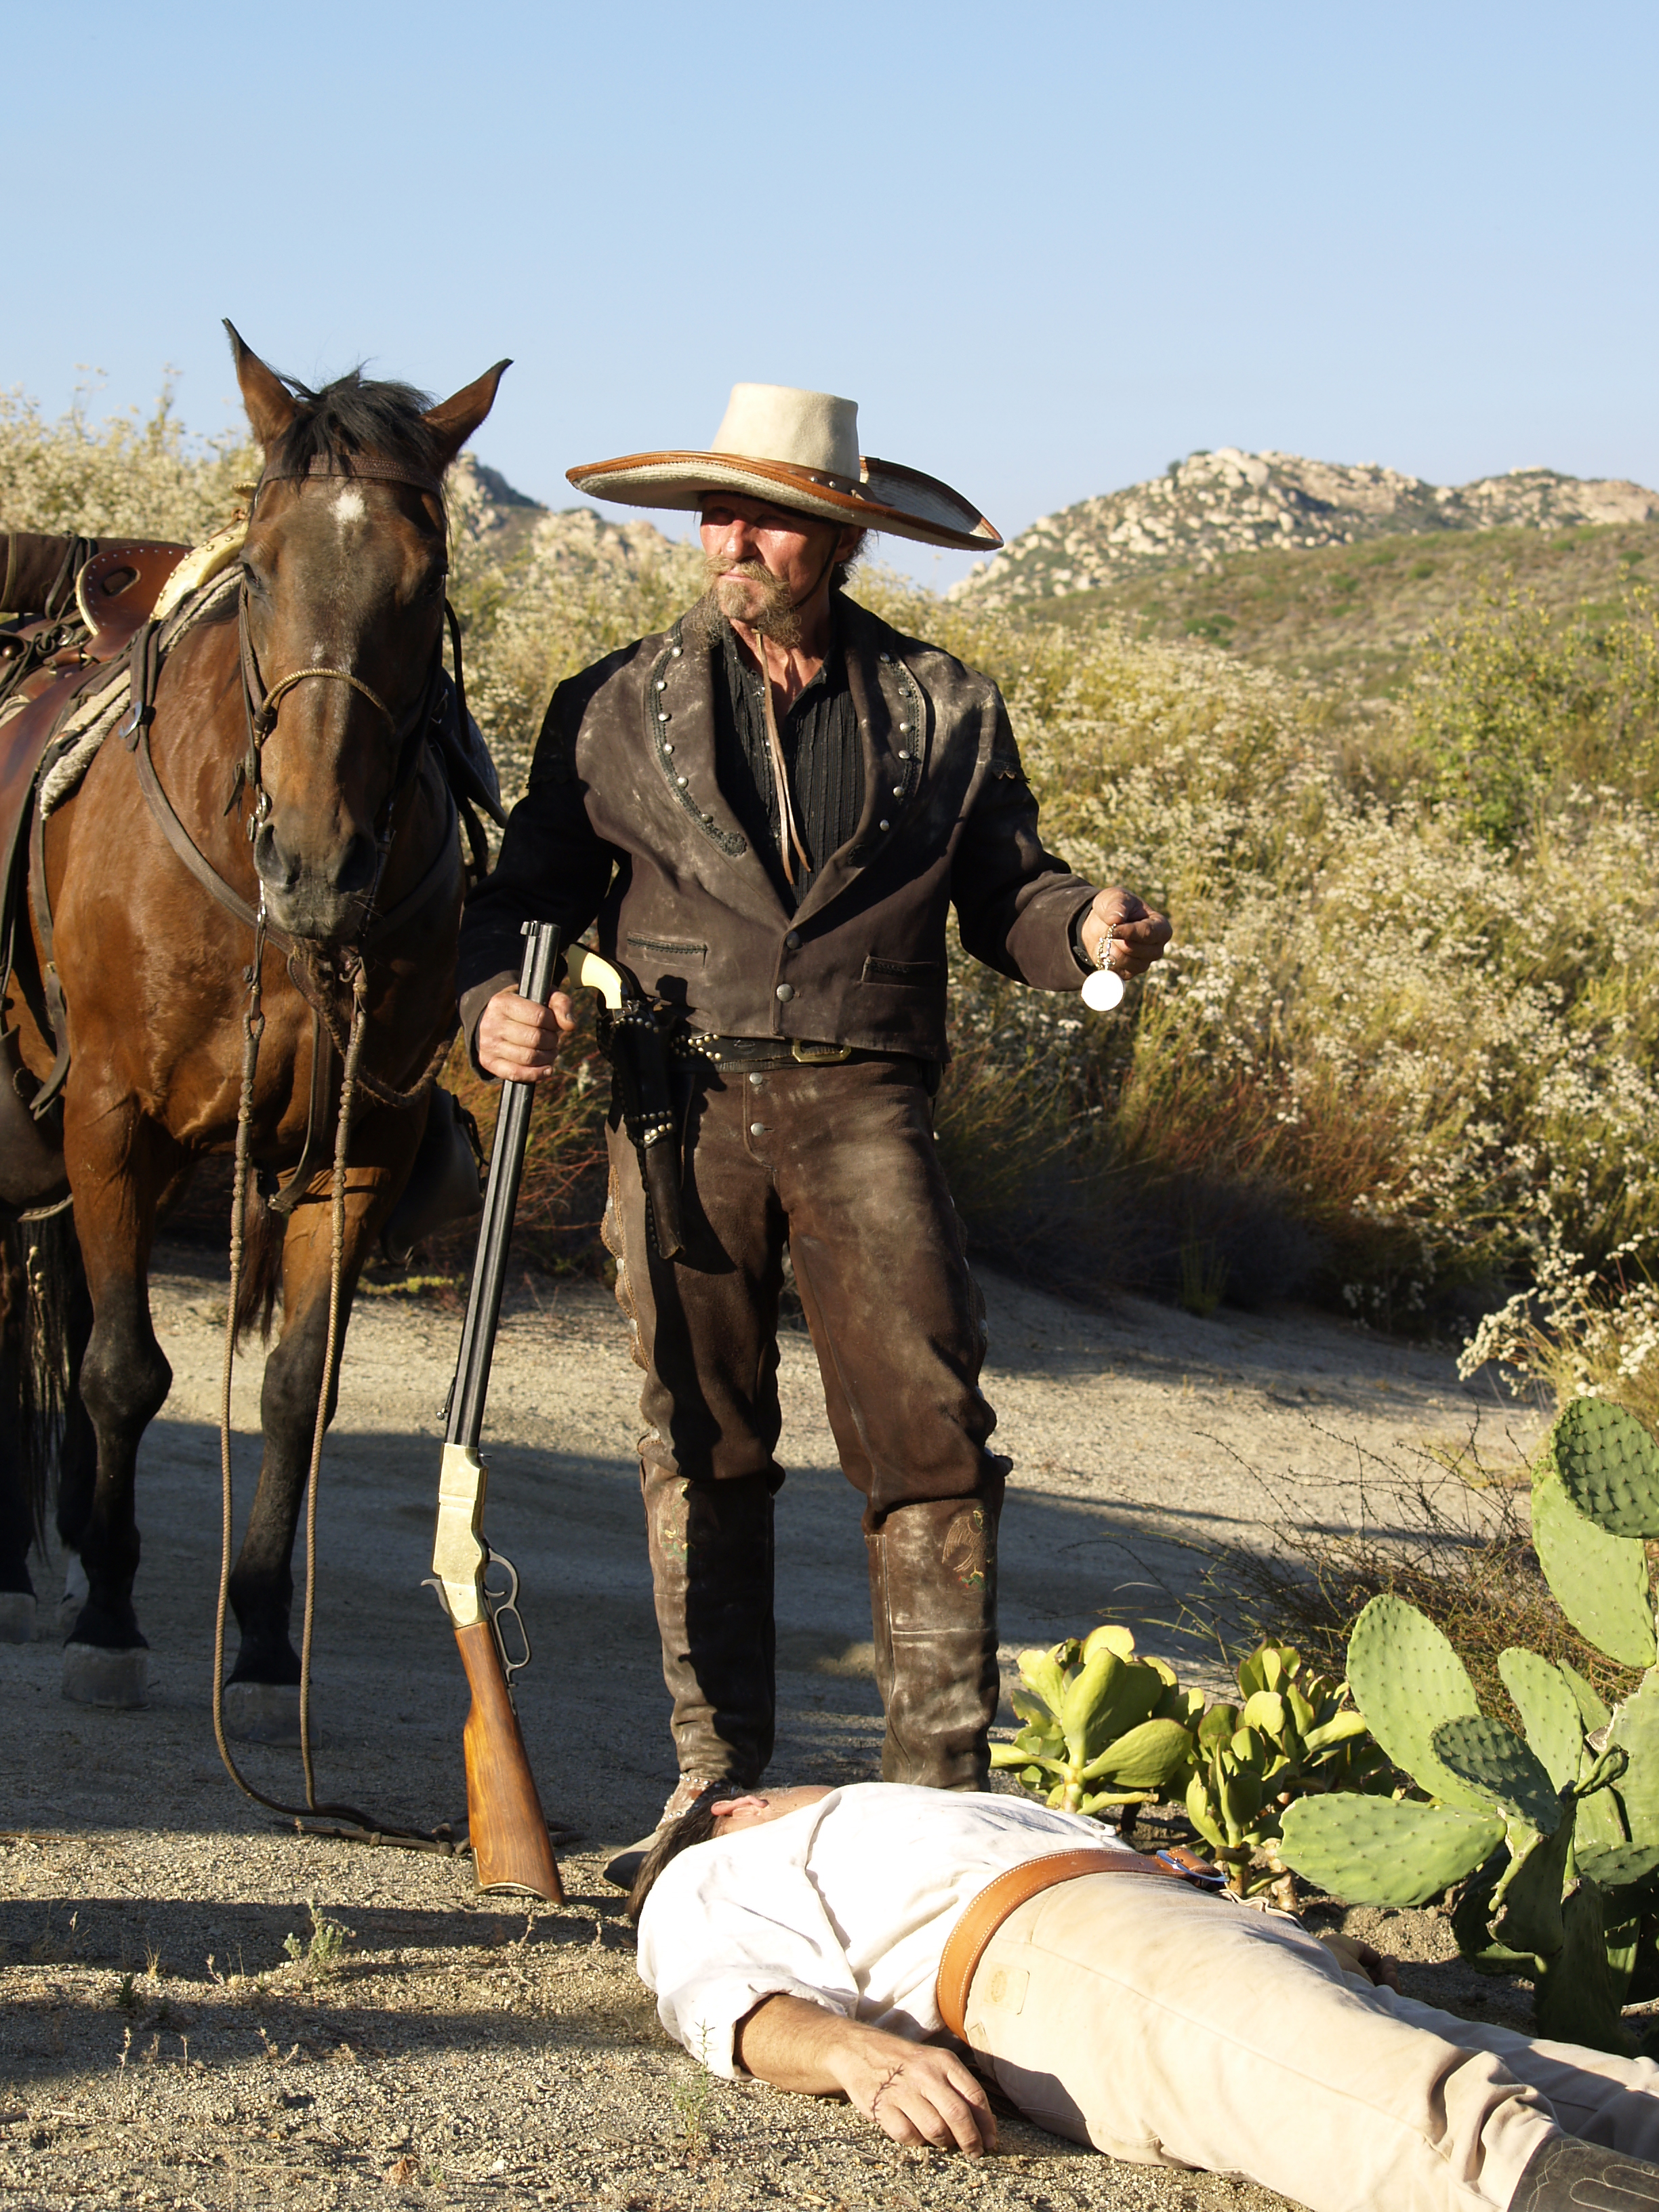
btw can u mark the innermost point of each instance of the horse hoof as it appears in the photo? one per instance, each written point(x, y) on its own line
point(264, 1712)
point(94, 1676)
point(77, 1590)
point(16, 1617)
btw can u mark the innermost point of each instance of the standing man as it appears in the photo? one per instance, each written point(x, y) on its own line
point(769, 810)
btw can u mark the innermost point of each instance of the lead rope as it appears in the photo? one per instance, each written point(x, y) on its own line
point(253, 1024)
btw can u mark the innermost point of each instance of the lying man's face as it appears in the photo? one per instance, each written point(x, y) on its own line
point(754, 1812)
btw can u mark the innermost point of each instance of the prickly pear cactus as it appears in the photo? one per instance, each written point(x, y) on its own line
point(1600, 1582)
point(1493, 1761)
point(1407, 1681)
point(1608, 1466)
point(1379, 1851)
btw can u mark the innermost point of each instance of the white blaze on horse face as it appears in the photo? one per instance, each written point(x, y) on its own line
point(349, 508)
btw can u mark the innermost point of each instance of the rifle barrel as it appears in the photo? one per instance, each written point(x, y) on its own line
point(483, 1302)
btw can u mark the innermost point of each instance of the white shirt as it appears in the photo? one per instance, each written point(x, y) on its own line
point(847, 1902)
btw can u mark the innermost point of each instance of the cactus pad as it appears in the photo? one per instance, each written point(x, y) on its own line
point(1600, 1582)
point(1549, 1710)
point(1406, 1679)
point(1608, 1466)
point(1636, 1731)
point(1372, 1851)
point(1492, 1759)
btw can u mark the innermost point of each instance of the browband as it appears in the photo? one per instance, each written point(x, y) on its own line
point(375, 472)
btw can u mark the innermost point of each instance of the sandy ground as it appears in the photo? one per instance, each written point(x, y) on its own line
point(158, 2044)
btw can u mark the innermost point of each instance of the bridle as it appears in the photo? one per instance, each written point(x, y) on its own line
point(261, 704)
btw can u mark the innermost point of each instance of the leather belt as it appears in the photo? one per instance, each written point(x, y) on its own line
point(775, 1052)
point(985, 1913)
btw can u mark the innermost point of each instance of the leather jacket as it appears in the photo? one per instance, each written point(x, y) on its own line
point(623, 823)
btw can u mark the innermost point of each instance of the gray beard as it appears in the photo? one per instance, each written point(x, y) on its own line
point(774, 618)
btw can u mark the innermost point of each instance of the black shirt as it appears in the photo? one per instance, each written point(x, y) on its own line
point(821, 749)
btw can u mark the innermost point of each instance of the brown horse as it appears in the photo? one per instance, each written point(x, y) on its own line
point(289, 735)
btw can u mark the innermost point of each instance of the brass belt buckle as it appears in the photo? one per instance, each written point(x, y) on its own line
point(818, 1056)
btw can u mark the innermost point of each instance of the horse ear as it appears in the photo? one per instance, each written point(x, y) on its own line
point(269, 403)
point(453, 421)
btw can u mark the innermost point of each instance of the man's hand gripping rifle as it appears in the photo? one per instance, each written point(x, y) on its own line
point(510, 1849)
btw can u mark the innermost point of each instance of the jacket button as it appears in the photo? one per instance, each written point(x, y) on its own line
point(903, 754)
point(898, 791)
point(678, 651)
point(680, 780)
point(903, 726)
point(664, 718)
point(757, 1128)
point(794, 940)
point(786, 991)
point(884, 825)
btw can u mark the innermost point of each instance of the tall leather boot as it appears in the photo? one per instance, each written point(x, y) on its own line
point(711, 1571)
point(933, 1607)
point(1565, 2175)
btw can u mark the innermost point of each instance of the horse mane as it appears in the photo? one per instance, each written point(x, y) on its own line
point(357, 414)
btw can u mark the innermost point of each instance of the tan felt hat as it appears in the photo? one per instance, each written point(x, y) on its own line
point(801, 450)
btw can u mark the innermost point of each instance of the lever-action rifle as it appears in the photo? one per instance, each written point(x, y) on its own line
point(510, 1845)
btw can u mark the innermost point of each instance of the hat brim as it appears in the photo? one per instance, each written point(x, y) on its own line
point(898, 502)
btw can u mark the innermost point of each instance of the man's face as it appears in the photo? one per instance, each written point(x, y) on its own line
point(764, 562)
point(755, 1811)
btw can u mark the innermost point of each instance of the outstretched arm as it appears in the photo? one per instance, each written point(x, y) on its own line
point(914, 2092)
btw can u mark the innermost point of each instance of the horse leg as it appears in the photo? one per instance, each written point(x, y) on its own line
point(77, 1447)
point(262, 1586)
point(116, 1171)
point(19, 1502)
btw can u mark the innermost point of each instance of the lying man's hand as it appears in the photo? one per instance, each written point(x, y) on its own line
point(914, 2092)
point(1357, 1958)
point(517, 1039)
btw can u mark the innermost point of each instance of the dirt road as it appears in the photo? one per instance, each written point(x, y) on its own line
point(159, 2045)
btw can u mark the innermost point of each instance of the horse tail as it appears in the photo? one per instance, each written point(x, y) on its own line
point(39, 1276)
point(261, 1283)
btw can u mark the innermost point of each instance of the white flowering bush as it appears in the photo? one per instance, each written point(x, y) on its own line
point(129, 475)
point(1403, 1048)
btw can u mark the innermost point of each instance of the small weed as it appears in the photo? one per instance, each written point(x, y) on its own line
point(691, 2095)
point(152, 1963)
point(126, 1999)
point(323, 1954)
point(1203, 1277)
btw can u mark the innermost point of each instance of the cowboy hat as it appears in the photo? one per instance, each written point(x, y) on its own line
point(800, 450)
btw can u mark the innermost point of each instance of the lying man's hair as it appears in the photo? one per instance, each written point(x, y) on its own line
point(696, 1827)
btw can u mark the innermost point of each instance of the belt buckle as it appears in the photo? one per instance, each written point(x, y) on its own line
point(818, 1056)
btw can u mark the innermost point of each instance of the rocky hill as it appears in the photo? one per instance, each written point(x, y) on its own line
point(1213, 506)
point(503, 522)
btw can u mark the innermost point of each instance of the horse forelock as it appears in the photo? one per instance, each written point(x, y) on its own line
point(356, 417)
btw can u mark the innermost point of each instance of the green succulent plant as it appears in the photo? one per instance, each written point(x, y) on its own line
point(1102, 1727)
point(1551, 1840)
point(1292, 1732)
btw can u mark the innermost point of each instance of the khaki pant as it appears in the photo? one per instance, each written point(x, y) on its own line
point(1172, 2028)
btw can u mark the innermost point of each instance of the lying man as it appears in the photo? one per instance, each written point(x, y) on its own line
point(831, 1941)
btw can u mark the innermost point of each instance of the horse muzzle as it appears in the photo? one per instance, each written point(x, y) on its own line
point(324, 897)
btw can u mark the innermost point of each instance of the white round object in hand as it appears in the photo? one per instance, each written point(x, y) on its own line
point(1102, 991)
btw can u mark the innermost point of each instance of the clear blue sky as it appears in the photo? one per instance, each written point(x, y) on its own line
point(1047, 248)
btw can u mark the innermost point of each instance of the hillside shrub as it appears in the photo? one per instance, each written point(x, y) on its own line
point(1401, 1053)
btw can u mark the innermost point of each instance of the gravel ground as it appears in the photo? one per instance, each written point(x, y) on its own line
point(159, 2045)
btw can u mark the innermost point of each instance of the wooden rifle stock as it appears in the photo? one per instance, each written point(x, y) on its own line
point(511, 1848)
point(510, 1844)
